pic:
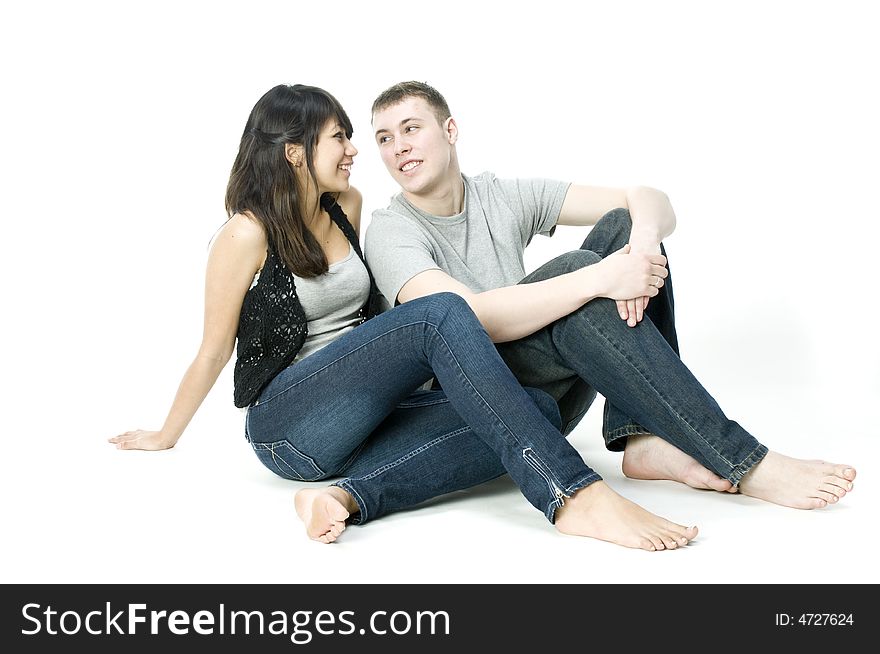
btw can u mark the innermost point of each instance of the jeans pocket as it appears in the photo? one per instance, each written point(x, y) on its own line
point(286, 461)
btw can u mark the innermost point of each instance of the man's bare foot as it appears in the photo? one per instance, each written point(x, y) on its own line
point(650, 457)
point(797, 483)
point(598, 512)
point(324, 511)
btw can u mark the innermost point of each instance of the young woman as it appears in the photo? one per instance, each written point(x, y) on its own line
point(331, 386)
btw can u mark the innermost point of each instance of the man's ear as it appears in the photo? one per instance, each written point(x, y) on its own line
point(294, 154)
point(451, 130)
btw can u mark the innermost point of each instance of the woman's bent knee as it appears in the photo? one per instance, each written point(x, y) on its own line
point(438, 306)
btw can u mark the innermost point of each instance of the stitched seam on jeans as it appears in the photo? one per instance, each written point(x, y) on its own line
point(545, 471)
point(656, 391)
point(284, 465)
point(410, 455)
point(470, 383)
point(631, 429)
point(581, 483)
point(750, 461)
point(492, 411)
point(546, 477)
point(340, 358)
point(416, 405)
point(364, 515)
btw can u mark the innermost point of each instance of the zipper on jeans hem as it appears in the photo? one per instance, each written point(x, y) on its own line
point(532, 460)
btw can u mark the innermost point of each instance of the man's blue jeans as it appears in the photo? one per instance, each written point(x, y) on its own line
point(352, 409)
point(647, 387)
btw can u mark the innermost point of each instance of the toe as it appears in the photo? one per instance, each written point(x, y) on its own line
point(833, 489)
point(669, 542)
point(837, 482)
point(829, 498)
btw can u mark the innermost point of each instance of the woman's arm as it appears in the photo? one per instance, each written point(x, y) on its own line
point(238, 251)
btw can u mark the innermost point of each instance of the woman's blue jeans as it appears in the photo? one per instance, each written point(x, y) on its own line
point(352, 409)
point(647, 387)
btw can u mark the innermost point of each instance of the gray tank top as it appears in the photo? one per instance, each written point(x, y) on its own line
point(332, 302)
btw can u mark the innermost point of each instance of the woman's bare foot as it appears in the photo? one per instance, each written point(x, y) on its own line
point(797, 483)
point(324, 511)
point(598, 512)
point(650, 457)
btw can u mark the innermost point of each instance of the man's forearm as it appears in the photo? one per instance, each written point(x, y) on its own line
point(514, 312)
point(651, 213)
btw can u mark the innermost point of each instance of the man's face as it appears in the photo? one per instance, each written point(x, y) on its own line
point(416, 149)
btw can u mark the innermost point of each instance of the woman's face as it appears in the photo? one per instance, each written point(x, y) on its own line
point(333, 158)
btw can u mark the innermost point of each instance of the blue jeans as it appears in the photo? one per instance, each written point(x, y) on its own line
point(647, 387)
point(352, 409)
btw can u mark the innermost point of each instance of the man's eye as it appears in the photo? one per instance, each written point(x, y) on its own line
point(411, 127)
point(384, 139)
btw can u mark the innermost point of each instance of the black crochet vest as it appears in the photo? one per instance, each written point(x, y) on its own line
point(272, 326)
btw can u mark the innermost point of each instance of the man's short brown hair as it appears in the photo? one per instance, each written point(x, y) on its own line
point(404, 90)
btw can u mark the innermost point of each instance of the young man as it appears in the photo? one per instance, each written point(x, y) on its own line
point(599, 319)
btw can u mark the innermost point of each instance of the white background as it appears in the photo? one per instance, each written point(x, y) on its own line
point(120, 124)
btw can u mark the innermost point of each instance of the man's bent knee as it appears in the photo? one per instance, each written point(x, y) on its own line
point(619, 216)
point(600, 310)
point(564, 263)
point(546, 405)
point(610, 233)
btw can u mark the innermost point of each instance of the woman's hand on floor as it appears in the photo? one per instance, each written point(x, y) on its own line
point(142, 440)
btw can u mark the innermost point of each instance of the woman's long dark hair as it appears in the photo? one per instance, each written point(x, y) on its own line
point(262, 180)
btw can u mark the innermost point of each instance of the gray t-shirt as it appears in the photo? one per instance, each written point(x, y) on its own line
point(482, 247)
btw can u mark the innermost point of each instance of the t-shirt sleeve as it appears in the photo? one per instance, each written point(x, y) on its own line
point(396, 251)
point(537, 201)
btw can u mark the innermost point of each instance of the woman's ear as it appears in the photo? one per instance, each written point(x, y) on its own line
point(294, 154)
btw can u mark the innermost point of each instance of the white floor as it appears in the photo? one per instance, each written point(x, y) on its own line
point(78, 510)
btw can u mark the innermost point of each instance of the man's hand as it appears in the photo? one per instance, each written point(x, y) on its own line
point(634, 310)
point(628, 276)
